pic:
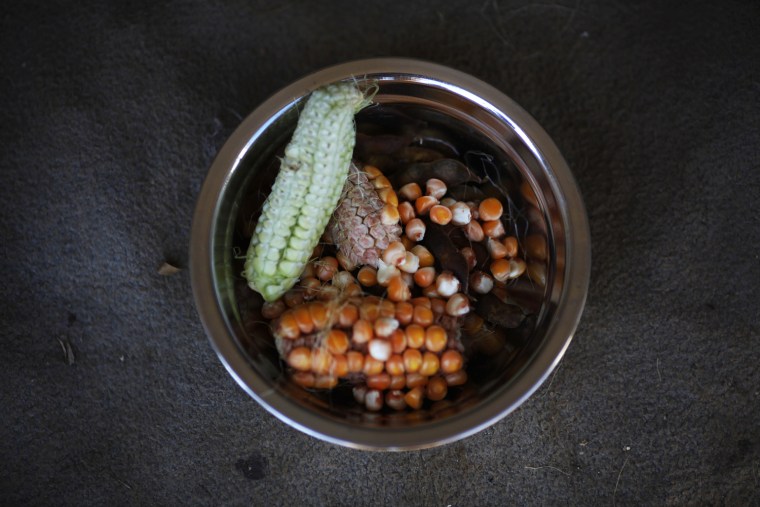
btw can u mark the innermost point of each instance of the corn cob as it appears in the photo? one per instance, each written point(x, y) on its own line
point(358, 226)
point(306, 191)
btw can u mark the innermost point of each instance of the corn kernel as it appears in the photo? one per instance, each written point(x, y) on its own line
point(415, 335)
point(451, 361)
point(440, 214)
point(436, 389)
point(423, 204)
point(460, 214)
point(446, 284)
point(426, 258)
point(415, 229)
point(410, 191)
point(474, 231)
point(435, 188)
point(490, 209)
point(379, 349)
point(435, 338)
point(300, 358)
point(336, 341)
point(362, 331)
point(406, 212)
point(493, 228)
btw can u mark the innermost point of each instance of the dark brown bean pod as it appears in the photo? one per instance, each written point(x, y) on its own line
point(498, 312)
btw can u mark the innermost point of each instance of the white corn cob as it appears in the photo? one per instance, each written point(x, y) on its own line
point(306, 191)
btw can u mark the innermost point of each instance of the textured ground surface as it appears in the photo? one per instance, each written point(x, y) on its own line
point(109, 119)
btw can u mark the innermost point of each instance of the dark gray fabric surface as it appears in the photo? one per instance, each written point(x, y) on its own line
point(110, 115)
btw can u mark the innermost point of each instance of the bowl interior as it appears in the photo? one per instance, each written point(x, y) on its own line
point(504, 365)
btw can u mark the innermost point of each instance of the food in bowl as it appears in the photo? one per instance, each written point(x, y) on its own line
point(385, 256)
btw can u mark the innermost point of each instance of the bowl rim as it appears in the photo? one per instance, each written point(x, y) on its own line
point(487, 411)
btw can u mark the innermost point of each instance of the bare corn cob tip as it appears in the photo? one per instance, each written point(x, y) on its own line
point(358, 227)
point(306, 191)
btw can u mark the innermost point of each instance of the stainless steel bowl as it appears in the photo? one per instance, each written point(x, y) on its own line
point(524, 153)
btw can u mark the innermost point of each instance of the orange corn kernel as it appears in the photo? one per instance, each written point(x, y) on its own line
point(406, 212)
point(339, 366)
point(355, 361)
point(318, 314)
point(430, 364)
point(435, 338)
point(398, 341)
point(424, 277)
point(510, 243)
point(300, 358)
point(381, 182)
point(348, 315)
point(321, 360)
point(398, 290)
point(436, 389)
point(421, 301)
point(493, 228)
point(410, 191)
point(372, 366)
point(388, 196)
point(451, 361)
point(415, 335)
point(426, 258)
point(490, 209)
point(369, 310)
point(414, 397)
point(412, 360)
point(423, 204)
point(386, 308)
point(415, 380)
point(304, 379)
point(385, 326)
point(325, 381)
point(422, 316)
point(287, 326)
point(326, 268)
point(337, 341)
point(440, 214)
point(496, 248)
point(362, 331)
point(407, 242)
point(500, 270)
point(395, 365)
point(456, 379)
point(389, 215)
point(398, 382)
point(372, 172)
point(380, 381)
point(303, 319)
point(367, 276)
point(404, 312)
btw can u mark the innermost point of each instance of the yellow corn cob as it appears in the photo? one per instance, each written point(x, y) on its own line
point(306, 191)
